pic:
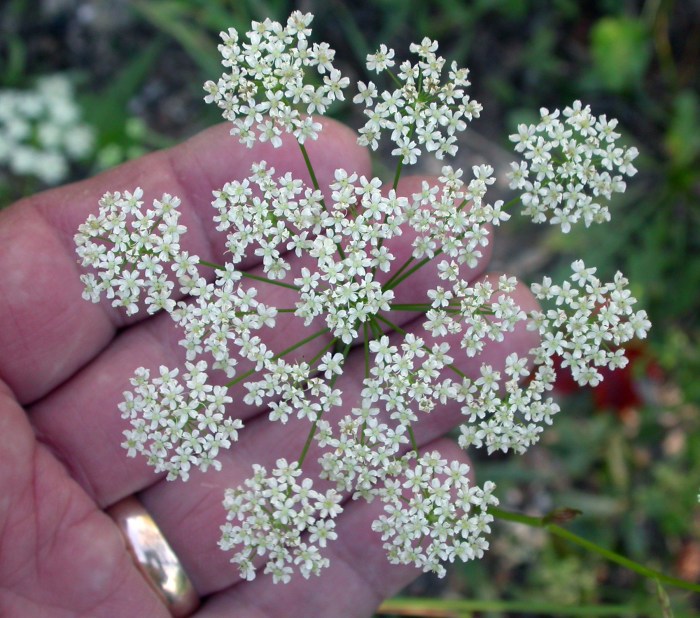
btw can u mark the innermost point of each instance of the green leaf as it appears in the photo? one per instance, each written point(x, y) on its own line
point(683, 136)
point(15, 66)
point(107, 110)
point(620, 47)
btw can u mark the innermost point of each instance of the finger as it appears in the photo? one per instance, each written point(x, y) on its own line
point(89, 400)
point(190, 514)
point(48, 330)
point(358, 579)
point(61, 555)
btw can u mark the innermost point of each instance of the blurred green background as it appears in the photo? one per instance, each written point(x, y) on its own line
point(627, 457)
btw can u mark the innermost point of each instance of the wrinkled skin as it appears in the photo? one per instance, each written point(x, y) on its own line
point(64, 363)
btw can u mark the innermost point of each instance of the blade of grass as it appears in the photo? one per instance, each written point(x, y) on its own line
point(108, 108)
point(176, 21)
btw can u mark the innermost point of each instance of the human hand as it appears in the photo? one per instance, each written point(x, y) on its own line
point(68, 362)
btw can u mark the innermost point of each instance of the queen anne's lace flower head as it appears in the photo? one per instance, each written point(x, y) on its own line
point(421, 113)
point(271, 87)
point(334, 253)
point(572, 166)
point(282, 517)
point(128, 247)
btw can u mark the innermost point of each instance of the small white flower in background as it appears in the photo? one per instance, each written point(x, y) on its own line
point(181, 421)
point(41, 132)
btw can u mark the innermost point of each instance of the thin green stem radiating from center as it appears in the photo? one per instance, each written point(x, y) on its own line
point(312, 431)
point(247, 275)
point(314, 182)
point(283, 353)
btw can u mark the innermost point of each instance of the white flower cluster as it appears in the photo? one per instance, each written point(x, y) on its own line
point(41, 132)
point(571, 165)
point(128, 247)
point(335, 258)
point(587, 329)
point(452, 219)
point(266, 93)
point(178, 424)
point(590, 323)
point(435, 515)
point(422, 113)
point(291, 216)
point(432, 512)
point(280, 516)
point(220, 314)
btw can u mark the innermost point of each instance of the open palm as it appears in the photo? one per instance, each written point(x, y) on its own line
point(64, 364)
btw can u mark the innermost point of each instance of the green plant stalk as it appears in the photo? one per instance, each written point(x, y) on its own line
point(556, 530)
point(397, 175)
point(312, 431)
point(288, 350)
point(449, 608)
point(314, 182)
point(365, 346)
point(281, 284)
point(404, 266)
point(393, 283)
point(310, 168)
point(247, 275)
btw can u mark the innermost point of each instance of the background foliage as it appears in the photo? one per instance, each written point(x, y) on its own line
point(627, 457)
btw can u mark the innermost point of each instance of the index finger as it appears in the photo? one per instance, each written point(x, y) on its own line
point(47, 332)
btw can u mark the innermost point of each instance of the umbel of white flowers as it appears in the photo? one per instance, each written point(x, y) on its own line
point(274, 81)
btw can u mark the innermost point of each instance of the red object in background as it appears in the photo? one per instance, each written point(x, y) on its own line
point(620, 389)
point(688, 561)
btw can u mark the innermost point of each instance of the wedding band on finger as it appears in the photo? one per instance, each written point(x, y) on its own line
point(154, 557)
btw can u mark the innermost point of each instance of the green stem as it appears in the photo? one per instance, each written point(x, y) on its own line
point(398, 280)
point(365, 345)
point(397, 175)
point(510, 203)
point(314, 425)
point(414, 444)
point(444, 608)
point(281, 284)
point(404, 266)
point(544, 522)
point(376, 329)
point(314, 181)
point(212, 265)
point(323, 350)
point(310, 168)
point(290, 349)
point(394, 78)
point(365, 328)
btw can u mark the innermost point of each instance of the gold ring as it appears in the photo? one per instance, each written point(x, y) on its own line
point(154, 557)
